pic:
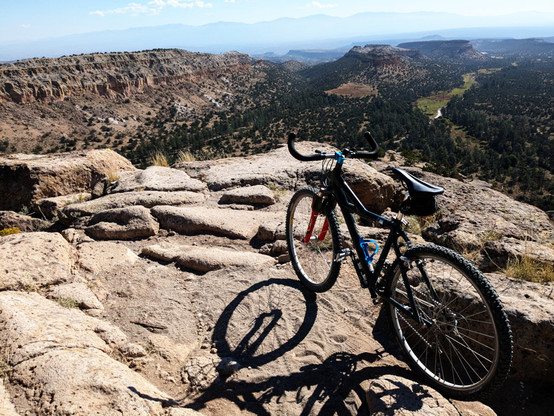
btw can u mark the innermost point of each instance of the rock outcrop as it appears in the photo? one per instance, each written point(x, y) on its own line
point(24, 179)
point(193, 304)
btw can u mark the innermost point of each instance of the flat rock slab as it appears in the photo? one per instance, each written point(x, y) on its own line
point(158, 178)
point(104, 256)
point(226, 222)
point(34, 260)
point(251, 195)
point(204, 259)
point(127, 223)
point(60, 360)
point(146, 199)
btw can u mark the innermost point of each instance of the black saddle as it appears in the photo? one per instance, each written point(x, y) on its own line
point(417, 187)
point(421, 199)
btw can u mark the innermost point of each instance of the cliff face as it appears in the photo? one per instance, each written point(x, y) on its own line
point(111, 74)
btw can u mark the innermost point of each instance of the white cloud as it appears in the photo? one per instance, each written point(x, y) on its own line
point(153, 7)
point(318, 5)
point(25, 26)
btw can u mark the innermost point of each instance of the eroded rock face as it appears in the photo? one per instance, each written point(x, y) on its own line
point(34, 260)
point(25, 179)
point(110, 74)
point(60, 359)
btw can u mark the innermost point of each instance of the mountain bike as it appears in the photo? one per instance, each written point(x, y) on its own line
point(446, 317)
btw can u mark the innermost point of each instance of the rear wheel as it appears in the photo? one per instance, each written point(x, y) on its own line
point(467, 351)
point(313, 241)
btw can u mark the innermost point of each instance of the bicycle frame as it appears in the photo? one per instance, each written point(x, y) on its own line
point(368, 274)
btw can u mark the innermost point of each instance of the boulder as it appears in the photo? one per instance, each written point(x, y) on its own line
point(34, 260)
point(61, 361)
point(278, 167)
point(205, 259)
point(146, 199)
point(123, 224)
point(52, 207)
point(158, 178)
point(78, 293)
point(529, 309)
point(251, 195)
point(24, 179)
point(10, 219)
point(226, 222)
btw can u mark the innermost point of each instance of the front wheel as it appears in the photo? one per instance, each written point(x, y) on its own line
point(313, 241)
point(467, 350)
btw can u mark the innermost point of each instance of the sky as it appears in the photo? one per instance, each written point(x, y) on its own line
point(24, 20)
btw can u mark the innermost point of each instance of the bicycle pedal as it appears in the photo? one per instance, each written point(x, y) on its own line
point(342, 255)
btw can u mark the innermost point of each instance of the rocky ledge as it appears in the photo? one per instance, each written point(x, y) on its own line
point(169, 292)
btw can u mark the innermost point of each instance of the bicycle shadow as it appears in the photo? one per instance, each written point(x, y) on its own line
point(247, 350)
point(325, 388)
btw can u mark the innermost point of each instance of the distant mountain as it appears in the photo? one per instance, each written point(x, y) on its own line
point(516, 47)
point(282, 35)
point(452, 50)
point(308, 56)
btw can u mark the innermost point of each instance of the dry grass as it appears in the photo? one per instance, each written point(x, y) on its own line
point(184, 156)
point(527, 268)
point(158, 159)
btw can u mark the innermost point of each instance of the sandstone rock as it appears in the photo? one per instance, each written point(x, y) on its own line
point(393, 395)
point(497, 253)
point(229, 223)
point(75, 237)
point(24, 179)
point(158, 178)
point(60, 361)
point(529, 309)
point(376, 190)
point(472, 408)
point(271, 231)
point(252, 195)
point(78, 293)
point(183, 412)
point(10, 219)
point(475, 208)
point(133, 350)
point(205, 259)
point(52, 207)
point(34, 260)
point(123, 224)
point(103, 256)
point(146, 199)
point(6, 406)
